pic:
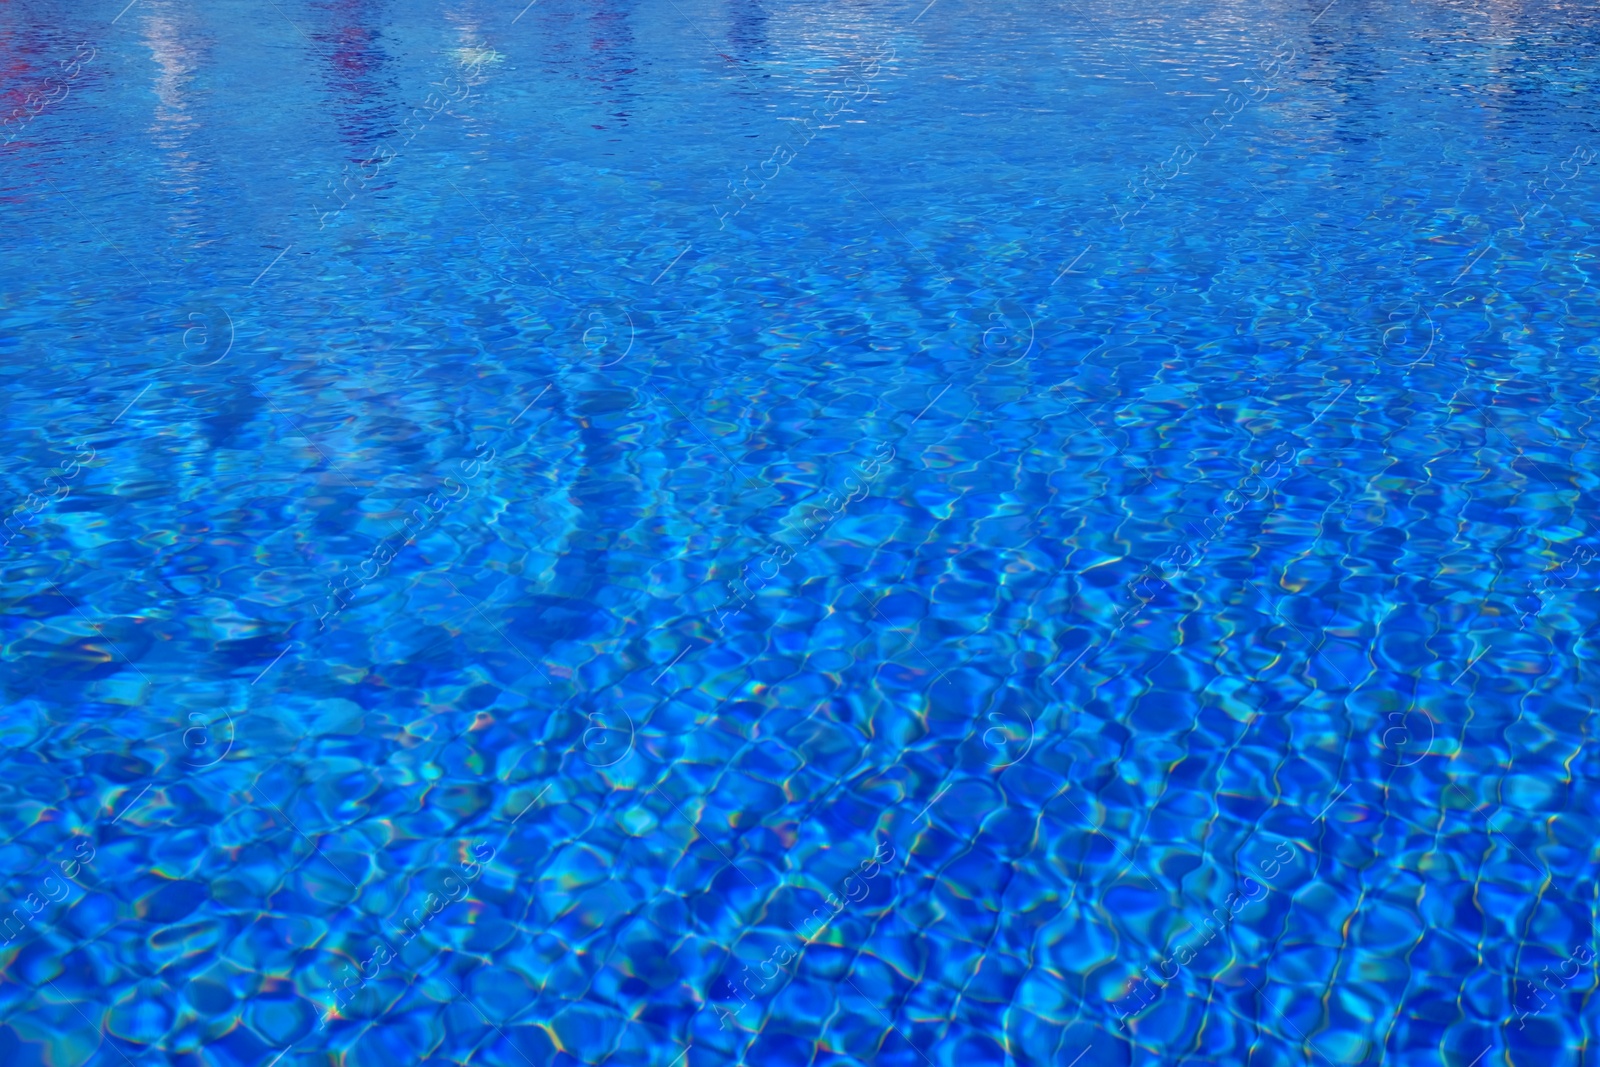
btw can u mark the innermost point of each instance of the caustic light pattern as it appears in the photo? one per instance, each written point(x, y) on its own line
point(672, 533)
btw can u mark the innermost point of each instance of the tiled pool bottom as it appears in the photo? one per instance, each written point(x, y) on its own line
point(707, 533)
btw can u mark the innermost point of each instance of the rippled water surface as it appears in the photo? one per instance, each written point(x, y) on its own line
point(696, 532)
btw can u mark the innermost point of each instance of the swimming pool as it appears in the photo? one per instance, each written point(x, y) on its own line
point(706, 531)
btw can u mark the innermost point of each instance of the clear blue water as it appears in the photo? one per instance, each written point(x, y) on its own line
point(688, 532)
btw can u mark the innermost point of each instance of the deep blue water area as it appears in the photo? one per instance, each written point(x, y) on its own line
point(670, 533)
